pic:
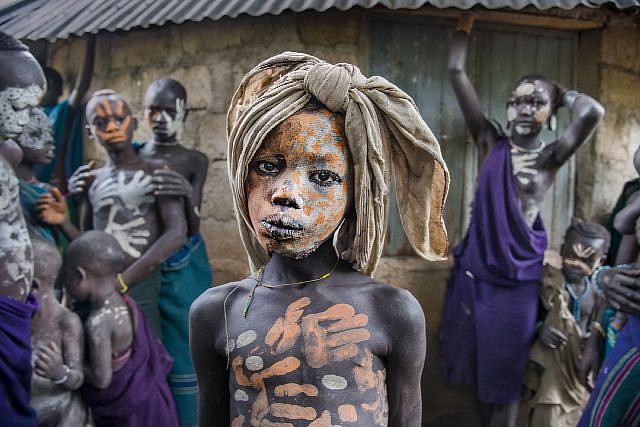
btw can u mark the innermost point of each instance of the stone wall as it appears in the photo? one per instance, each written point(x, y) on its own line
point(210, 58)
point(605, 164)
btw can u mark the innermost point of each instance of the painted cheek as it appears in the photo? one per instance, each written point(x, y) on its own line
point(542, 114)
point(511, 114)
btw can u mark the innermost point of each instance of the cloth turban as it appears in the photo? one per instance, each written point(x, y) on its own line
point(385, 134)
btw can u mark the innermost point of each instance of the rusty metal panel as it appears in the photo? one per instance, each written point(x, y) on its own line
point(413, 54)
point(55, 19)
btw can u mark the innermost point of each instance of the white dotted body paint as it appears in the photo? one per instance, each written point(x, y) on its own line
point(230, 346)
point(241, 396)
point(246, 338)
point(15, 244)
point(254, 363)
point(15, 104)
point(334, 382)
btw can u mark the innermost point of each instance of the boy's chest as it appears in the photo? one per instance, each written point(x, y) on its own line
point(125, 192)
point(307, 359)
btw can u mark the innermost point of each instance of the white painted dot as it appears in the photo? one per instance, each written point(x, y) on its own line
point(241, 396)
point(230, 345)
point(254, 363)
point(334, 382)
point(246, 338)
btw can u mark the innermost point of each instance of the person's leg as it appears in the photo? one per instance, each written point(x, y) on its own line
point(146, 294)
point(184, 277)
point(504, 415)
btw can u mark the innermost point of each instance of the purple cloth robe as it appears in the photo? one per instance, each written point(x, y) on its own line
point(138, 395)
point(15, 362)
point(491, 307)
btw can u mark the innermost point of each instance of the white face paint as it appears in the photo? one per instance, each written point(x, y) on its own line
point(14, 109)
point(176, 125)
point(38, 132)
point(526, 88)
point(523, 130)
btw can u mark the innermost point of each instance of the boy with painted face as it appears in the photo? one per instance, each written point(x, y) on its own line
point(38, 149)
point(310, 338)
point(120, 201)
point(126, 366)
point(187, 273)
point(57, 338)
point(21, 85)
point(491, 307)
point(567, 348)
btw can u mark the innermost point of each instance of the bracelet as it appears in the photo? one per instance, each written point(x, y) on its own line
point(123, 285)
point(569, 98)
point(598, 327)
point(65, 377)
point(594, 277)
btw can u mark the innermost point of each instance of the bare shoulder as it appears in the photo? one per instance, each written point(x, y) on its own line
point(209, 306)
point(396, 304)
point(198, 157)
point(70, 321)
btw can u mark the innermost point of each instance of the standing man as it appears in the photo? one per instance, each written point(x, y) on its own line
point(22, 84)
point(187, 274)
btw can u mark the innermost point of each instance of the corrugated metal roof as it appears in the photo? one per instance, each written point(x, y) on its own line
point(55, 19)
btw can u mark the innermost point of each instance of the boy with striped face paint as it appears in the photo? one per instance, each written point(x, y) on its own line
point(566, 351)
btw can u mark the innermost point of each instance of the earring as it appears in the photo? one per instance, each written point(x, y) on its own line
point(553, 123)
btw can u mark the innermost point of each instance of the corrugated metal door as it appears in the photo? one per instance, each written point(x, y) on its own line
point(413, 54)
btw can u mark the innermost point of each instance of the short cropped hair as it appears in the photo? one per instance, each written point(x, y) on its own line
point(591, 231)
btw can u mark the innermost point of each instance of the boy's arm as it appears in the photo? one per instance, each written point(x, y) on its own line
point(98, 371)
point(73, 350)
point(590, 360)
point(625, 220)
point(586, 115)
point(211, 367)
point(174, 231)
point(406, 359)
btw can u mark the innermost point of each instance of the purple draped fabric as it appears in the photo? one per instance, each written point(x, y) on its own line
point(15, 362)
point(491, 306)
point(138, 395)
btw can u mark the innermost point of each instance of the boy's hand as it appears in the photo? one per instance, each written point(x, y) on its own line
point(78, 183)
point(49, 362)
point(589, 362)
point(52, 208)
point(552, 338)
point(621, 287)
point(167, 182)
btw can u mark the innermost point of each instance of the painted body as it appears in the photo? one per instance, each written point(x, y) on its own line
point(21, 85)
point(165, 113)
point(120, 198)
point(57, 339)
point(311, 341)
point(533, 103)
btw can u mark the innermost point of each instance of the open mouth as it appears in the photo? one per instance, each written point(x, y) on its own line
point(282, 227)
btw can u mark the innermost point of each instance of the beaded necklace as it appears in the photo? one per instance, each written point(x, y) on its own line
point(575, 305)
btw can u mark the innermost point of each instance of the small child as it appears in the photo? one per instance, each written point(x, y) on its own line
point(566, 349)
point(126, 367)
point(57, 341)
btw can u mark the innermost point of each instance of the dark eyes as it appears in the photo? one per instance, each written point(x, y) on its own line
point(100, 121)
point(266, 168)
point(323, 178)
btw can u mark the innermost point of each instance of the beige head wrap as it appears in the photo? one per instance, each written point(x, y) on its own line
point(385, 133)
